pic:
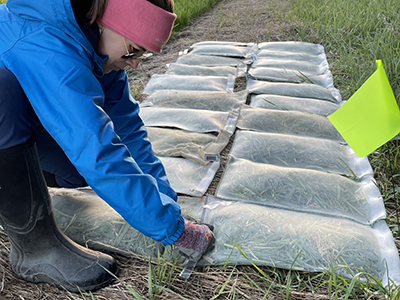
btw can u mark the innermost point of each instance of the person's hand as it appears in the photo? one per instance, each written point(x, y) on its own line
point(194, 242)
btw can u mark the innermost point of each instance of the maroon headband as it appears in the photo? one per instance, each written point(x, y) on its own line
point(140, 21)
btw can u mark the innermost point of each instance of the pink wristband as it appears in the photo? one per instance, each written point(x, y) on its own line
point(140, 21)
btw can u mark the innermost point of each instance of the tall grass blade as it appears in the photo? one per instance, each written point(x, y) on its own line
point(257, 268)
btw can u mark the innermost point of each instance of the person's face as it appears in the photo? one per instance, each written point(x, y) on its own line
point(115, 46)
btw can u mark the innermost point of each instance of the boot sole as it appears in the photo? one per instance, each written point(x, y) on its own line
point(70, 287)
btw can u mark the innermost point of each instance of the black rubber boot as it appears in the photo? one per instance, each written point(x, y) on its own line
point(39, 251)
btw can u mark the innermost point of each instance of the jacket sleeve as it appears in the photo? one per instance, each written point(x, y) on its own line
point(68, 99)
point(124, 113)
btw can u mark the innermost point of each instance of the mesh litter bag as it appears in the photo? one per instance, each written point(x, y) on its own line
point(191, 70)
point(295, 47)
point(300, 66)
point(211, 60)
point(302, 90)
point(188, 177)
point(314, 106)
point(290, 75)
point(178, 143)
point(88, 220)
point(236, 51)
point(216, 101)
point(288, 122)
point(290, 55)
point(303, 241)
point(190, 83)
point(195, 120)
point(301, 190)
point(199, 147)
point(299, 152)
point(223, 43)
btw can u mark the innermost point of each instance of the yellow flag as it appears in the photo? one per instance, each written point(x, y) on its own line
point(371, 116)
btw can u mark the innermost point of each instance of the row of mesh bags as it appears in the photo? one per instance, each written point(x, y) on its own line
point(293, 194)
point(189, 122)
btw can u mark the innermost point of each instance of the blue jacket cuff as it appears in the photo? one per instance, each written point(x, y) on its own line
point(172, 239)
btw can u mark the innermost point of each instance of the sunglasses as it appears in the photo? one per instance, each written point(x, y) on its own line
point(134, 55)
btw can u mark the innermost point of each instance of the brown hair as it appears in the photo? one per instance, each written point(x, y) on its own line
point(96, 10)
point(98, 7)
point(167, 5)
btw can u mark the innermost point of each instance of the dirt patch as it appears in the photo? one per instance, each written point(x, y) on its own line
point(230, 20)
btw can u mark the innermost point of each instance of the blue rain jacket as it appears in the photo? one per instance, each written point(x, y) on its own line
point(89, 114)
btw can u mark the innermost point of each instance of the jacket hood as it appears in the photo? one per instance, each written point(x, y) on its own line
point(57, 13)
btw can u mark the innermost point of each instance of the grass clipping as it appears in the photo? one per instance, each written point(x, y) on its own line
point(293, 240)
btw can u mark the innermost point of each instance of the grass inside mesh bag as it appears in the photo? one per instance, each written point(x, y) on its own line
point(299, 152)
point(188, 177)
point(288, 122)
point(89, 221)
point(222, 43)
point(302, 190)
point(189, 83)
point(290, 75)
point(211, 60)
point(310, 242)
point(302, 90)
point(179, 143)
point(289, 55)
point(198, 147)
point(314, 106)
point(216, 101)
point(190, 70)
point(300, 66)
point(293, 46)
point(194, 120)
point(224, 50)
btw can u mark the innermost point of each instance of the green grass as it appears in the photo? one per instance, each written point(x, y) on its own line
point(185, 10)
point(354, 34)
point(190, 9)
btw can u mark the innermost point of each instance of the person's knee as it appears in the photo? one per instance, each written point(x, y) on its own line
point(17, 118)
point(9, 87)
point(72, 180)
point(6, 75)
